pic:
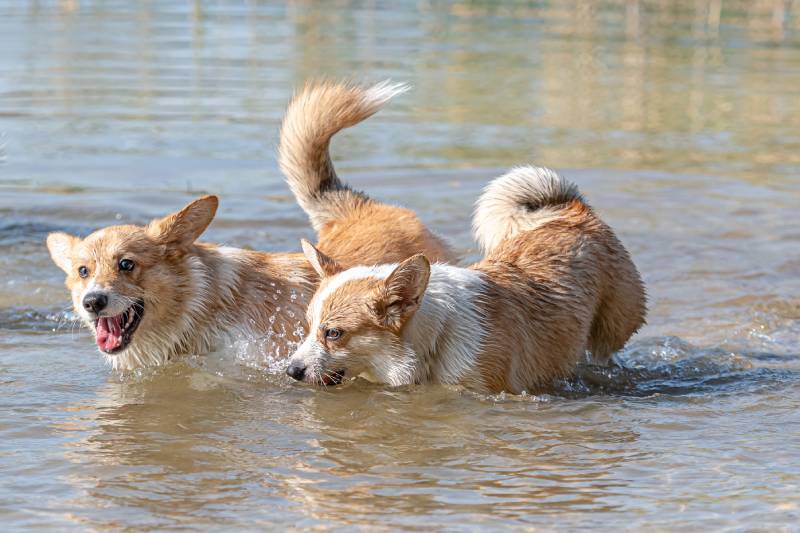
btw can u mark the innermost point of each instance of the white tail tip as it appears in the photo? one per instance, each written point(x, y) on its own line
point(382, 92)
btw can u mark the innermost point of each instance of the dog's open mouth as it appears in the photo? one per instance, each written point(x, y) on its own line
point(334, 377)
point(114, 333)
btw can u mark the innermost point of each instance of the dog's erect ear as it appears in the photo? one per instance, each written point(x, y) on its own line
point(60, 245)
point(181, 229)
point(324, 265)
point(403, 291)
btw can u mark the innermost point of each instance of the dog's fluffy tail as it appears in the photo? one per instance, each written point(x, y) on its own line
point(527, 197)
point(518, 201)
point(315, 114)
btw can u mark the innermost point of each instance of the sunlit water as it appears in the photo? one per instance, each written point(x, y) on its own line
point(680, 124)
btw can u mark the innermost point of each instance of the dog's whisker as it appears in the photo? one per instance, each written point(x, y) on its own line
point(208, 294)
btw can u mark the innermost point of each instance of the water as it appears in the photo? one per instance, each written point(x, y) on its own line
point(678, 122)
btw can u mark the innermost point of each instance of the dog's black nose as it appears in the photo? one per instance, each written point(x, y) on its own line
point(95, 302)
point(297, 371)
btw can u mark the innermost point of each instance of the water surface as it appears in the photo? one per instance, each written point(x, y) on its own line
point(680, 124)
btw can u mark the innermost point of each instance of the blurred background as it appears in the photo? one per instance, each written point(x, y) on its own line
point(679, 85)
point(679, 120)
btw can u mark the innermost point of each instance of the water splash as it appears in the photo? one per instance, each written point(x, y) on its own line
point(40, 320)
point(270, 351)
point(670, 365)
point(650, 366)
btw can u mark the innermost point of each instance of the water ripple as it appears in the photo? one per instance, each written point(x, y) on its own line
point(38, 320)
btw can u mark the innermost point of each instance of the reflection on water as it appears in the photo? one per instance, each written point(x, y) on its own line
point(682, 119)
point(709, 86)
point(182, 444)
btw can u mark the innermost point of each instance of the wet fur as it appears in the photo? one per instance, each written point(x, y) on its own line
point(555, 282)
point(197, 295)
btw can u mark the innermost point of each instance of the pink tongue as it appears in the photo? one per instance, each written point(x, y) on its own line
point(108, 334)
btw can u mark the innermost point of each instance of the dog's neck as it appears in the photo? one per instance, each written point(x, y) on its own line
point(231, 295)
point(445, 335)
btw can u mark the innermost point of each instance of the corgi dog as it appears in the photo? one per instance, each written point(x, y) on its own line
point(151, 293)
point(554, 283)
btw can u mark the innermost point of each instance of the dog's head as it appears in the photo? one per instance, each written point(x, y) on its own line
point(356, 319)
point(128, 279)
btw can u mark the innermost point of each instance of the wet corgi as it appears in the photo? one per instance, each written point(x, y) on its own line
point(153, 292)
point(554, 283)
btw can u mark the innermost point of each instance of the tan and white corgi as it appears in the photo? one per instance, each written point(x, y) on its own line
point(152, 292)
point(555, 282)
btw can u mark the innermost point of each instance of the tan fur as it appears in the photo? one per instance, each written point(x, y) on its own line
point(196, 295)
point(361, 243)
point(337, 212)
point(193, 293)
point(303, 154)
point(531, 197)
point(551, 287)
point(548, 287)
point(345, 309)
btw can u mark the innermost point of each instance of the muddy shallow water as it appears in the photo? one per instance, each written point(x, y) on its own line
point(681, 131)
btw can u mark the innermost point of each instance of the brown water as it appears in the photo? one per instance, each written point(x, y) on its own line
point(678, 121)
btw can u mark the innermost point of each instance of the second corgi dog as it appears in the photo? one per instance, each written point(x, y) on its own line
point(555, 282)
point(151, 293)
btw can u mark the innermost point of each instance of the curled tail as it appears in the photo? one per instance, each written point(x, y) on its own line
point(517, 201)
point(527, 197)
point(314, 116)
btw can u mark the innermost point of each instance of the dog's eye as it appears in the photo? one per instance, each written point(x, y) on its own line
point(83, 271)
point(333, 334)
point(126, 265)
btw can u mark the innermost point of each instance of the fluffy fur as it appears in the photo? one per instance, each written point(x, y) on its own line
point(555, 283)
point(357, 224)
point(188, 297)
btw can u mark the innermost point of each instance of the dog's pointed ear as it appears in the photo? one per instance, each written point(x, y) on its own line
point(182, 228)
point(60, 245)
point(321, 263)
point(403, 291)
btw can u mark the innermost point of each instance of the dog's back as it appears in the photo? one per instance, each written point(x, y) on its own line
point(560, 280)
